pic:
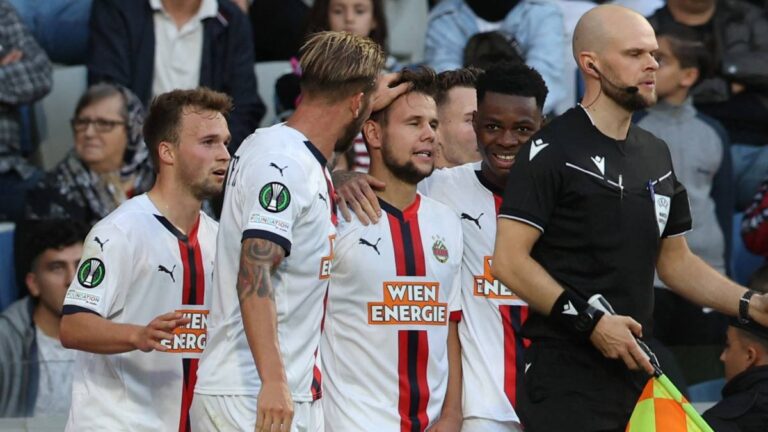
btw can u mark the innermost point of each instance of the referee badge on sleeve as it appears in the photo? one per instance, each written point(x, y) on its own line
point(661, 205)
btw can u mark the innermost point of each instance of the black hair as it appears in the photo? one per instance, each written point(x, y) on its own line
point(689, 51)
point(34, 237)
point(446, 80)
point(513, 79)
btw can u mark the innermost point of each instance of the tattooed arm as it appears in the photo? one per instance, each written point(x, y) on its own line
point(258, 260)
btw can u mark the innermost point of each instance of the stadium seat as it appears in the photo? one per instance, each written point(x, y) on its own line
point(53, 113)
point(707, 391)
point(8, 288)
point(406, 22)
point(743, 262)
point(267, 74)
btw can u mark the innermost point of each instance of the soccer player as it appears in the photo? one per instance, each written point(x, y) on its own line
point(390, 355)
point(591, 207)
point(138, 305)
point(276, 246)
point(510, 102)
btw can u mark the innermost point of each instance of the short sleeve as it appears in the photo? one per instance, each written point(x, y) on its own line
point(454, 299)
point(103, 274)
point(679, 221)
point(275, 194)
point(533, 185)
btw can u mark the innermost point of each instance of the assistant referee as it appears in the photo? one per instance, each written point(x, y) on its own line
point(592, 206)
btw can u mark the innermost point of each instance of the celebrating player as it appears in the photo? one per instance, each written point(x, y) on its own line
point(510, 101)
point(276, 246)
point(395, 285)
point(150, 261)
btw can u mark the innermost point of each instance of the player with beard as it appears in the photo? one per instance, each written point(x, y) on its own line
point(390, 348)
point(276, 245)
point(137, 307)
point(592, 205)
point(510, 99)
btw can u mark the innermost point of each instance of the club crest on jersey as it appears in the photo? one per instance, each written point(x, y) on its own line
point(91, 273)
point(409, 303)
point(439, 250)
point(487, 286)
point(274, 197)
point(189, 340)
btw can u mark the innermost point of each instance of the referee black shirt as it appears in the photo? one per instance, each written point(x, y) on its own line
point(602, 206)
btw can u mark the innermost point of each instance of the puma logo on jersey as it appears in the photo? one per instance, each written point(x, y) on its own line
point(322, 198)
point(475, 220)
point(568, 309)
point(375, 246)
point(100, 243)
point(599, 161)
point(274, 165)
point(162, 268)
point(536, 146)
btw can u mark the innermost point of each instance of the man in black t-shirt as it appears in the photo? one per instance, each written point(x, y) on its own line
point(591, 205)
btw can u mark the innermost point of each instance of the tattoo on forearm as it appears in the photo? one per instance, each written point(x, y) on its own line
point(258, 258)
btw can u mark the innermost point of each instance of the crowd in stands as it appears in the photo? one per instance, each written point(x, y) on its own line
point(712, 85)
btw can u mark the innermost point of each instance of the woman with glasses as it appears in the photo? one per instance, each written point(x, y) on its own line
point(108, 164)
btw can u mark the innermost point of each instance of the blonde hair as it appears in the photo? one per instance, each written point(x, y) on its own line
point(337, 65)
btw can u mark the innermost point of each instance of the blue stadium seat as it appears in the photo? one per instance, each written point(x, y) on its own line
point(8, 289)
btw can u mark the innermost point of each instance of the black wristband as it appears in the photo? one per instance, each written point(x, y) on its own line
point(574, 314)
point(744, 307)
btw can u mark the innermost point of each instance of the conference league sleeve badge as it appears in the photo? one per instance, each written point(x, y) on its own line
point(91, 273)
point(274, 197)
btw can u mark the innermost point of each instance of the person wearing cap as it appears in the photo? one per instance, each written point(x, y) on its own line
point(744, 407)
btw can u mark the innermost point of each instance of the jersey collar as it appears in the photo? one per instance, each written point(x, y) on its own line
point(487, 184)
point(316, 152)
point(407, 213)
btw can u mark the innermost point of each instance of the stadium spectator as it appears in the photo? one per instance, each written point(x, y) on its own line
point(35, 369)
point(456, 105)
point(359, 17)
point(744, 407)
point(701, 157)
point(138, 307)
point(735, 91)
point(108, 165)
point(59, 26)
point(155, 46)
point(592, 208)
point(25, 76)
point(754, 227)
point(535, 27)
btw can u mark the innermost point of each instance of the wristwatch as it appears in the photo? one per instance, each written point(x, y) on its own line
point(587, 319)
point(744, 307)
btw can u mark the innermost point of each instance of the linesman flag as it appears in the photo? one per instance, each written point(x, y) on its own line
point(661, 407)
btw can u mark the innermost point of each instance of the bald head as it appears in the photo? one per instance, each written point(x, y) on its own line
point(606, 25)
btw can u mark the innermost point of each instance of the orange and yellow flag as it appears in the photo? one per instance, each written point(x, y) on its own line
point(662, 408)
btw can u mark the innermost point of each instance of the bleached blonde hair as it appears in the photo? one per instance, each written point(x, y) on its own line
point(336, 65)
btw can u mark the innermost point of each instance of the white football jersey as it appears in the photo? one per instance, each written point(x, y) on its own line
point(492, 315)
point(384, 344)
point(136, 265)
point(278, 189)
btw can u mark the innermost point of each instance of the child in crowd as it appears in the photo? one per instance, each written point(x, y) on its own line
point(359, 17)
point(700, 154)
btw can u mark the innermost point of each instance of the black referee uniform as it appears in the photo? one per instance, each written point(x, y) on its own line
point(602, 206)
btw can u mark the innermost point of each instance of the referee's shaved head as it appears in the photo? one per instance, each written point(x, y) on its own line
point(603, 24)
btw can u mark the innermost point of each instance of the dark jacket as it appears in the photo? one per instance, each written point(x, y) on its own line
point(19, 369)
point(744, 407)
point(122, 50)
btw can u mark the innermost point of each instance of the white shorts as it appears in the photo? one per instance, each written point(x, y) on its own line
point(238, 413)
point(477, 424)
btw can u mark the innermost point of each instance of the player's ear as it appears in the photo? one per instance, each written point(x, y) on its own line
point(166, 153)
point(356, 104)
point(372, 133)
point(31, 281)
